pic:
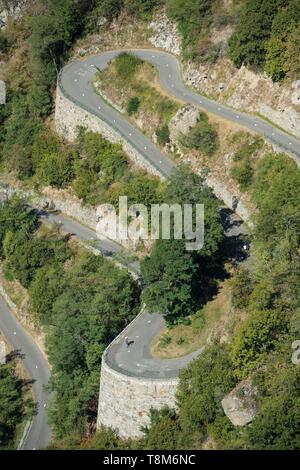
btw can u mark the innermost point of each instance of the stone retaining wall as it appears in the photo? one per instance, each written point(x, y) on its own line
point(125, 402)
point(69, 116)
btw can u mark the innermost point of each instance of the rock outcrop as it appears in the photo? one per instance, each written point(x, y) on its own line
point(238, 88)
point(165, 34)
point(240, 405)
point(12, 10)
point(183, 121)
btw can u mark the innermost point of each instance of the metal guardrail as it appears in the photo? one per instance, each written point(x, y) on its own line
point(102, 118)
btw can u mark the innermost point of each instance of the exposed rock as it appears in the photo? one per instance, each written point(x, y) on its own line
point(165, 34)
point(221, 35)
point(240, 405)
point(101, 21)
point(296, 93)
point(154, 137)
point(2, 352)
point(183, 121)
point(246, 90)
point(12, 10)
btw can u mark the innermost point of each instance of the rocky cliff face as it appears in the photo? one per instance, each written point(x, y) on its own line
point(239, 88)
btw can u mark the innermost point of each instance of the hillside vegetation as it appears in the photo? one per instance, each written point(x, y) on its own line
point(83, 301)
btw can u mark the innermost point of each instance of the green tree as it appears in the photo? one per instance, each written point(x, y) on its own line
point(97, 302)
point(284, 24)
point(258, 335)
point(48, 283)
point(202, 386)
point(248, 43)
point(15, 216)
point(276, 426)
point(292, 56)
point(170, 274)
point(186, 187)
point(202, 137)
point(11, 405)
point(26, 256)
point(163, 135)
point(164, 430)
point(133, 105)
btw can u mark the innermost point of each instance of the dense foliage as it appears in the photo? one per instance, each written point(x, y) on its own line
point(266, 291)
point(12, 409)
point(265, 37)
point(202, 136)
point(83, 302)
point(172, 274)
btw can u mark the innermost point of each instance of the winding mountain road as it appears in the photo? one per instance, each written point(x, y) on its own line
point(75, 82)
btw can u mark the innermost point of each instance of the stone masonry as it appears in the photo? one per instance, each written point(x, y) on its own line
point(125, 402)
point(69, 117)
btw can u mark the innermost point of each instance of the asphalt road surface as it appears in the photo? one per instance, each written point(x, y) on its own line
point(38, 435)
point(75, 82)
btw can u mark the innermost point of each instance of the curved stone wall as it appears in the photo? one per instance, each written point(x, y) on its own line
point(125, 402)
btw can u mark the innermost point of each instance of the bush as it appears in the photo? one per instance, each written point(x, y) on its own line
point(55, 169)
point(258, 335)
point(140, 8)
point(164, 341)
point(133, 105)
point(202, 137)
point(127, 65)
point(100, 164)
point(163, 135)
point(242, 172)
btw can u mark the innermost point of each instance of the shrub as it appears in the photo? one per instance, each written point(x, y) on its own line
point(127, 65)
point(133, 105)
point(202, 137)
point(163, 135)
point(164, 341)
point(242, 172)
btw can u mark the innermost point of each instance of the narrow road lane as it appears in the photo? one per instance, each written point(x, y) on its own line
point(75, 83)
point(38, 435)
